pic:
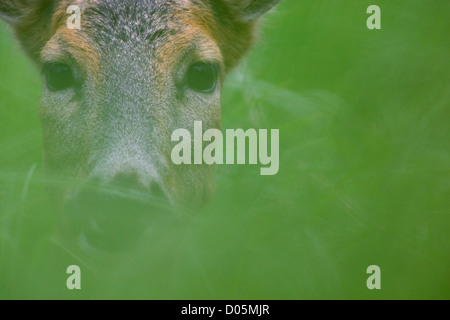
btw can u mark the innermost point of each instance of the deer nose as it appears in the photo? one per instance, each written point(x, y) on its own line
point(126, 179)
point(131, 182)
point(116, 215)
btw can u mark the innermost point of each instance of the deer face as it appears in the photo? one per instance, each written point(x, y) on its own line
point(115, 90)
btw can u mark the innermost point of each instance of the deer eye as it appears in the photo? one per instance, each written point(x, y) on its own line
point(202, 77)
point(59, 76)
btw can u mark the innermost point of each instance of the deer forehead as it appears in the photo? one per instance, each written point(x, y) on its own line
point(168, 30)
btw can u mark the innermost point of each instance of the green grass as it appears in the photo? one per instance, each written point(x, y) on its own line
point(364, 120)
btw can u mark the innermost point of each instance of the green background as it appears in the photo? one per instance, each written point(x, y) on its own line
point(364, 178)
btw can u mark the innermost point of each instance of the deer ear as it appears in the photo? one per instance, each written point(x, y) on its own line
point(250, 10)
point(30, 20)
point(17, 11)
point(10, 11)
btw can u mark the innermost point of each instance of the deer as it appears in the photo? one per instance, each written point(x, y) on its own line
point(116, 88)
